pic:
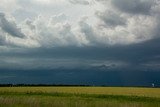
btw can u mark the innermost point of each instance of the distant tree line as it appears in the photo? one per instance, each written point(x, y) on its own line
point(39, 85)
point(64, 85)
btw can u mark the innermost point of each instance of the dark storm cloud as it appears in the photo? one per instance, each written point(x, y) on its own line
point(134, 6)
point(138, 56)
point(2, 40)
point(111, 19)
point(136, 53)
point(10, 28)
point(49, 40)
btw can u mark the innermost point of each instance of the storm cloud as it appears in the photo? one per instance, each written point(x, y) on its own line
point(111, 19)
point(134, 6)
point(108, 34)
point(10, 28)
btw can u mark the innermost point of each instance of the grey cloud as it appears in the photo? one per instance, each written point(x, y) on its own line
point(134, 6)
point(82, 2)
point(56, 32)
point(21, 14)
point(10, 28)
point(137, 20)
point(156, 14)
point(87, 30)
point(137, 56)
point(30, 24)
point(2, 40)
point(111, 19)
point(56, 35)
point(89, 33)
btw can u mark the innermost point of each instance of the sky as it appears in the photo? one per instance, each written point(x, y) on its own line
point(80, 34)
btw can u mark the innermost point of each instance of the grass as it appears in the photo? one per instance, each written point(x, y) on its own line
point(79, 97)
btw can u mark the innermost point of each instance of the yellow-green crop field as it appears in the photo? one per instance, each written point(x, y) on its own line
point(79, 97)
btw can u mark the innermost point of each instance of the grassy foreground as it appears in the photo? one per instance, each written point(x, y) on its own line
point(79, 97)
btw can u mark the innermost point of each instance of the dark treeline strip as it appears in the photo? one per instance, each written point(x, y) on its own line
point(64, 85)
point(39, 85)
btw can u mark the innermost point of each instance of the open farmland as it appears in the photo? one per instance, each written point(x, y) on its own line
point(79, 97)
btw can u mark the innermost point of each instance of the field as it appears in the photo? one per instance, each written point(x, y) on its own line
point(79, 97)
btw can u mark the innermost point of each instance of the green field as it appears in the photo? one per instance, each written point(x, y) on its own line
point(79, 97)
